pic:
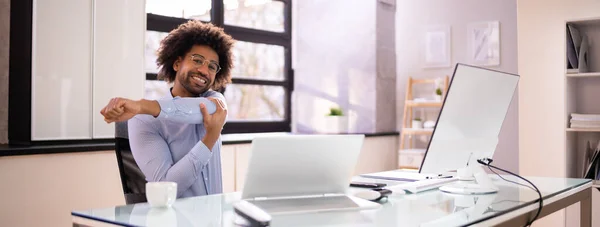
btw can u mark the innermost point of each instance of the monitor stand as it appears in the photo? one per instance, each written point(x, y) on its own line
point(473, 180)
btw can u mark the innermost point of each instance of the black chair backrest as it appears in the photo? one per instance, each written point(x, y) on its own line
point(132, 178)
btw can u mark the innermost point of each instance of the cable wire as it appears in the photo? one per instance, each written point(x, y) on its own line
point(514, 182)
point(487, 162)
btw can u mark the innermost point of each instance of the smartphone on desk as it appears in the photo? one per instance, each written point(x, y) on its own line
point(359, 184)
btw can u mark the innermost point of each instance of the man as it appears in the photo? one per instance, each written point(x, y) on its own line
point(177, 138)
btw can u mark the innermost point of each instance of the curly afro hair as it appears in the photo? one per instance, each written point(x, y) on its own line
point(181, 40)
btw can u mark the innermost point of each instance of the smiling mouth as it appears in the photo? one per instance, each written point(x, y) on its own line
point(199, 80)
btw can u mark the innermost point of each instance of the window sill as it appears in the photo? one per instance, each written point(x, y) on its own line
point(76, 147)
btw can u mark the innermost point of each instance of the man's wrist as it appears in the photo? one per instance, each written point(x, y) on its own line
point(150, 107)
point(210, 138)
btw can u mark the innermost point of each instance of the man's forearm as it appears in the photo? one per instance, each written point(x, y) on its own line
point(210, 138)
point(150, 107)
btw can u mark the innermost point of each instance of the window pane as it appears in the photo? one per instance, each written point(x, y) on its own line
point(258, 61)
point(156, 89)
point(257, 14)
point(189, 9)
point(255, 102)
point(153, 39)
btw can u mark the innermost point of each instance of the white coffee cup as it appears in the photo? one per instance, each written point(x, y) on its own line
point(161, 194)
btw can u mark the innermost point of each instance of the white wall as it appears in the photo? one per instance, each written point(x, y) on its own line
point(343, 55)
point(334, 62)
point(412, 16)
point(541, 37)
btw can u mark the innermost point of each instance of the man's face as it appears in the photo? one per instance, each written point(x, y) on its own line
point(196, 71)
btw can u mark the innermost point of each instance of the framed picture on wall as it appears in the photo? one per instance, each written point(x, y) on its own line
point(436, 50)
point(484, 43)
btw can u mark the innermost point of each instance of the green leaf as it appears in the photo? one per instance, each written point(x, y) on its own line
point(335, 112)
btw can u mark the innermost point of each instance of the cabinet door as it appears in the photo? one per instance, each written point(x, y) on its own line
point(242, 160)
point(61, 69)
point(118, 63)
point(378, 154)
point(228, 168)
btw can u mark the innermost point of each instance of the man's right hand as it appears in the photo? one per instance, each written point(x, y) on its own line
point(213, 123)
point(120, 109)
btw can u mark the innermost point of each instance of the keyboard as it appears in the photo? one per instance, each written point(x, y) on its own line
point(397, 175)
point(422, 185)
point(274, 206)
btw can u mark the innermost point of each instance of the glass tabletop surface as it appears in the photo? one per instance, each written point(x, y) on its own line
point(428, 208)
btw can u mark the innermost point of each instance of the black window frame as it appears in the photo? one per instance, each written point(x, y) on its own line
point(162, 23)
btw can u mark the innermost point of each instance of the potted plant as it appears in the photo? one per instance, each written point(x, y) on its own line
point(333, 111)
point(417, 123)
point(438, 94)
point(336, 121)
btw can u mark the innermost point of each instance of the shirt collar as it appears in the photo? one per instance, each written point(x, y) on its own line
point(170, 94)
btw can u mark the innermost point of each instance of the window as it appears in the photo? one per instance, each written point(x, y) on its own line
point(257, 14)
point(259, 98)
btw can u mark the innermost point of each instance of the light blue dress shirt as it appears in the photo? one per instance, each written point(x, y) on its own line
point(170, 148)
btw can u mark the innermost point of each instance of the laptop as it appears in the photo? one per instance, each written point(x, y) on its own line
point(303, 173)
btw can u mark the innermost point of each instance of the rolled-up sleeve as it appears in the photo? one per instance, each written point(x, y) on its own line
point(184, 110)
point(154, 158)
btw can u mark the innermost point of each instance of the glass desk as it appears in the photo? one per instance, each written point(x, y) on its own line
point(513, 205)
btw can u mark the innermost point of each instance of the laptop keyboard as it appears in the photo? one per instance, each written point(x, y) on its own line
point(274, 206)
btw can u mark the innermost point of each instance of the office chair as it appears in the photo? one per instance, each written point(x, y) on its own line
point(132, 178)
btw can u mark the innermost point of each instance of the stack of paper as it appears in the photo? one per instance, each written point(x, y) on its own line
point(585, 120)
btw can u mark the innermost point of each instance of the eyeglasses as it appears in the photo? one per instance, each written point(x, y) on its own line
point(200, 61)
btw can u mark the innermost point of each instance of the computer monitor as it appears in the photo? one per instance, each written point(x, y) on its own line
point(470, 119)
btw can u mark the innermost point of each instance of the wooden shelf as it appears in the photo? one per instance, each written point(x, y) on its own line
point(583, 129)
point(424, 104)
point(579, 75)
point(410, 103)
point(416, 131)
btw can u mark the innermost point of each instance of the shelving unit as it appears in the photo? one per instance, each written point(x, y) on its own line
point(583, 75)
point(582, 94)
point(410, 157)
point(414, 131)
point(582, 90)
point(583, 129)
point(423, 104)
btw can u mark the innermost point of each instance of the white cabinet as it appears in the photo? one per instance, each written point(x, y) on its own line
point(228, 168)
point(243, 153)
point(61, 69)
point(379, 153)
point(83, 53)
point(118, 69)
